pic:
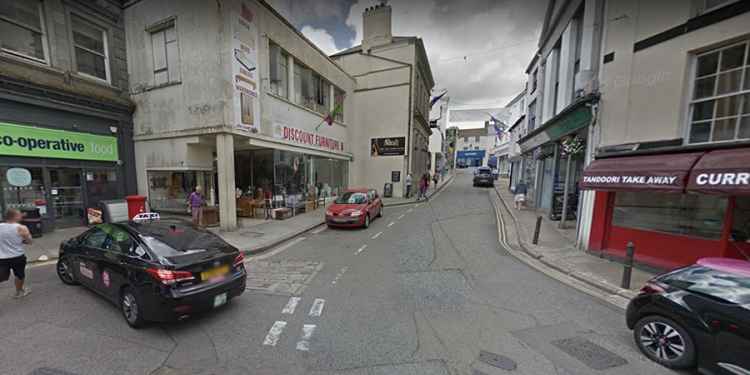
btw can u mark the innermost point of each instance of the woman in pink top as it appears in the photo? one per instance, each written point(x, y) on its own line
point(196, 203)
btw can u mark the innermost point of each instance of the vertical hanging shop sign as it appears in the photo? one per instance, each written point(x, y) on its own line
point(245, 68)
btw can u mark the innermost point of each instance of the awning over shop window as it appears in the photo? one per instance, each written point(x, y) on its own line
point(722, 172)
point(664, 173)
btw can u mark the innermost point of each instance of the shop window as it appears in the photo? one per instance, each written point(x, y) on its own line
point(101, 185)
point(22, 29)
point(720, 105)
point(90, 45)
point(278, 68)
point(696, 215)
point(169, 190)
point(166, 53)
point(741, 222)
point(23, 188)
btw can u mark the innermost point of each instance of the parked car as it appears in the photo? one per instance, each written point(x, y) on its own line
point(155, 270)
point(697, 316)
point(483, 176)
point(355, 208)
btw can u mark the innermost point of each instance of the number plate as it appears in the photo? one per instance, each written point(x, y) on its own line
point(214, 273)
point(220, 299)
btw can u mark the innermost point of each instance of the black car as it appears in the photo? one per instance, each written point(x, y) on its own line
point(157, 271)
point(483, 176)
point(696, 316)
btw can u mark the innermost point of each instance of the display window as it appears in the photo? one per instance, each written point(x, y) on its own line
point(168, 190)
point(23, 188)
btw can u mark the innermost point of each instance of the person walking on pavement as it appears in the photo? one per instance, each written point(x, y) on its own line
point(13, 236)
point(196, 202)
point(435, 179)
point(520, 195)
point(268, 203)
point(408, 185)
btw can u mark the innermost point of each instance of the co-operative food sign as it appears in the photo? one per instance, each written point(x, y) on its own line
point(29, 141)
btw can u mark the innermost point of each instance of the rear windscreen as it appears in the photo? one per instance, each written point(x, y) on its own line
point(166, 241)
point(710, 282)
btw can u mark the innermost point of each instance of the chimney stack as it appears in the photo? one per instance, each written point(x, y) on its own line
point(376, 22)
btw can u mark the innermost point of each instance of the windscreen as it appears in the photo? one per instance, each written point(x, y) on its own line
point(714, 283)
point(352, 198)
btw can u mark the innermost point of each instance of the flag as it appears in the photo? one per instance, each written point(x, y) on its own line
point(331, 116)
point(496, 125)
point(436, 98)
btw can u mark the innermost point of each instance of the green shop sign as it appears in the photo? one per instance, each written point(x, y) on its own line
point(559, 127)
point(29, 141)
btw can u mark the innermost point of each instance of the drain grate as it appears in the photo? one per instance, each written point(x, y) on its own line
point(50, 371)
point(589, 353)
point(477, 372)
point(497, 360)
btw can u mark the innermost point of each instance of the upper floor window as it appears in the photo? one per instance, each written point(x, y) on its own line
point(533, 81)
point(298, 83)
point(90, 44)
point(466, 139)
point(22, 29)
point(338, 104)
point(476, 138)
point(532, 115)
point(720, 101)
point(709, 5)
point(279, 72)
point(166, 54)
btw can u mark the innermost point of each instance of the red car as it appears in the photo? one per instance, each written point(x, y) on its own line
point(355, 208)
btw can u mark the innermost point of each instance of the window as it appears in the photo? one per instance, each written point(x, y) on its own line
point(578, 40)
point(476, 147)
point(279, 72)
point(297, 83)
point(90, 44)
point(339, 104)
point(709, 5)
point(720, 105)
point(533, 80)
point(696, 215)
point(532, 116)
point(119, 240)
point(166, 54)
point(95, 238)
point(476, 138)
point(466, 139)
point(308, 87)
point(22, 29)
point(729, 287)
point(323, 99)
point(168, 191)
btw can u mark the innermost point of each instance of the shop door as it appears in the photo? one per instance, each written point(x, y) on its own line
point(66, 194)
point(101, 185)
point(547, 183)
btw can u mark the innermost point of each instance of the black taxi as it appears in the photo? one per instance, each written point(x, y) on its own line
point(154, 271)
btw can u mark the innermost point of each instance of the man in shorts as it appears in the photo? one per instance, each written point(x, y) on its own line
point(13, 236)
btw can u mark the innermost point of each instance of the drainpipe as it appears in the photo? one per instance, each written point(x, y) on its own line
point(410, 113)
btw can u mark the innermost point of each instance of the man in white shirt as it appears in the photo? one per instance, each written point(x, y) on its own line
point(13, 236)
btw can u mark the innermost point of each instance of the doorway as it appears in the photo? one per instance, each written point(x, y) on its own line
point(66, 193)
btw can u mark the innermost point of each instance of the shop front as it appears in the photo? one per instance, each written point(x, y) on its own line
point(57, 173)
point(470, 158)
point(675, 208)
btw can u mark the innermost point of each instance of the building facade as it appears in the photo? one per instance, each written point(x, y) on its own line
point(504, 144)
point(65, 116)
point(233, 98)
point(437, 143)
point(392, 95)
point(672, 173)
point(473, 146)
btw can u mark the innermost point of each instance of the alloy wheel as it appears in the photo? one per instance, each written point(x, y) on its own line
point(662, 340)
point(130, 308)
point(64, 272)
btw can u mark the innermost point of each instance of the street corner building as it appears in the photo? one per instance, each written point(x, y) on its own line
point(65, 117)
point(231, 97)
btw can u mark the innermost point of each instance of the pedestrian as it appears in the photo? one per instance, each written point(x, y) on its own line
point(268, 203)
point(520, 195)
point(13, 236)
point(408, 185)
point(435, 179)
point(196, 203)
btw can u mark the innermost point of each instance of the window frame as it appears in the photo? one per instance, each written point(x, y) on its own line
point(42, 31)
point(740, 93)
point(162, 27)
point(275, 85)
point(105, 47)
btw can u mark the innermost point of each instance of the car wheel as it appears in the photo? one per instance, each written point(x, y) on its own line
point(131, 308)
point(380, 211)
point(65, 272)
point(665, 342)
point(367, 221)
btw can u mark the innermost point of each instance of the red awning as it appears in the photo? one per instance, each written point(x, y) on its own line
point(664, 173)
point(722, 172)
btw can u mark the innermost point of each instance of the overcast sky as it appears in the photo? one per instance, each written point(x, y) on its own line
point(478, 49)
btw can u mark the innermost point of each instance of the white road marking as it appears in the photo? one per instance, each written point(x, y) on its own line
point(390, 224)
point(361, 248)
point(401, 217)
point(376, 235)
point(319, 230)
point(409, 210)
point(274, 333)
point(338, 275)
point(417, 205)
point(291, 305)
point(276, 250)
point(317, 307)
point(307, 332)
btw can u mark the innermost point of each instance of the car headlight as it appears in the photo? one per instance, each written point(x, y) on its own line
point(329, 213)
point(355, 213)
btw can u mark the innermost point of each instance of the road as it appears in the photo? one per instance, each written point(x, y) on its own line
point(427, 289)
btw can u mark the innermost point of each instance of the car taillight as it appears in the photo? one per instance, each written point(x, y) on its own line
point(652, 287)
point(239, 259)
point(169, 277)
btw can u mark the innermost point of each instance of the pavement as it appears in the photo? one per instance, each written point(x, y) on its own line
point(399, 201)
point(430, 288)
point(556, 250)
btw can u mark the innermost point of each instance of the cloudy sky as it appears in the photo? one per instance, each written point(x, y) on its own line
point(478, 49)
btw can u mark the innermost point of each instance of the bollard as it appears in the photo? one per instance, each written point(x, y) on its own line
point(538, 227)
point(628, 266)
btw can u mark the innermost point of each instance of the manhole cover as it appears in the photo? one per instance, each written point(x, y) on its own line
point(50, 371)
point(497, 360)
point(477, 372)
point(591, 354)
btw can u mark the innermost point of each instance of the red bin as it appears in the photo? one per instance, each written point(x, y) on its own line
point(136, 205)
